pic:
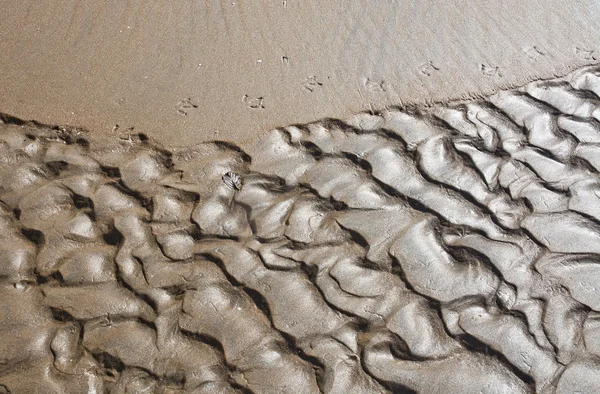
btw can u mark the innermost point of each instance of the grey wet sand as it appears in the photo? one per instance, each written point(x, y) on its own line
point(192, 71)
point(451, 249)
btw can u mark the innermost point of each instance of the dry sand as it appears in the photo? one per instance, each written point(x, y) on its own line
point(190, 71)
point(452, 249)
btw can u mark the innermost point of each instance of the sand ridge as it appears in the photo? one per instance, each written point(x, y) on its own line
point(451, 249)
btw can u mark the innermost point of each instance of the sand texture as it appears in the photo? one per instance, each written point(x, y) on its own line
point(196, 70)
point(453, 249)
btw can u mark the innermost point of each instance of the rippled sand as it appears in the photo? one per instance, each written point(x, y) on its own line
point(450, 249)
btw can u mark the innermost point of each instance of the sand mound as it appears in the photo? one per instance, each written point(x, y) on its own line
point(450, 249)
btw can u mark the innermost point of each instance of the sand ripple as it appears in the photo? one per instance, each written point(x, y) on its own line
point(440, 250)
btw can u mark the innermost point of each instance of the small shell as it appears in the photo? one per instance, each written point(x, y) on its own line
point(232, 180)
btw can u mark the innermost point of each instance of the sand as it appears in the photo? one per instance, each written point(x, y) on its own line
point(450, 249)
point(188, 72)
point(299, 197)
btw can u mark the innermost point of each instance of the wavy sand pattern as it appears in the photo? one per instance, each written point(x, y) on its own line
point(445, 250)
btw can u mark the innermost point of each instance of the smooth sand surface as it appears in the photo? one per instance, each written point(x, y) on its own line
point(451, 249)
point(185, 72)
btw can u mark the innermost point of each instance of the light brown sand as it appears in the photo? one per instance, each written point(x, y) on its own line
point(445, 250)
point(185, 72)
point(448, 248)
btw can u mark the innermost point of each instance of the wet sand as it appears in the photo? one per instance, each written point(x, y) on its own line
point(292, 197)
point(232, 70)
point(451, 249)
